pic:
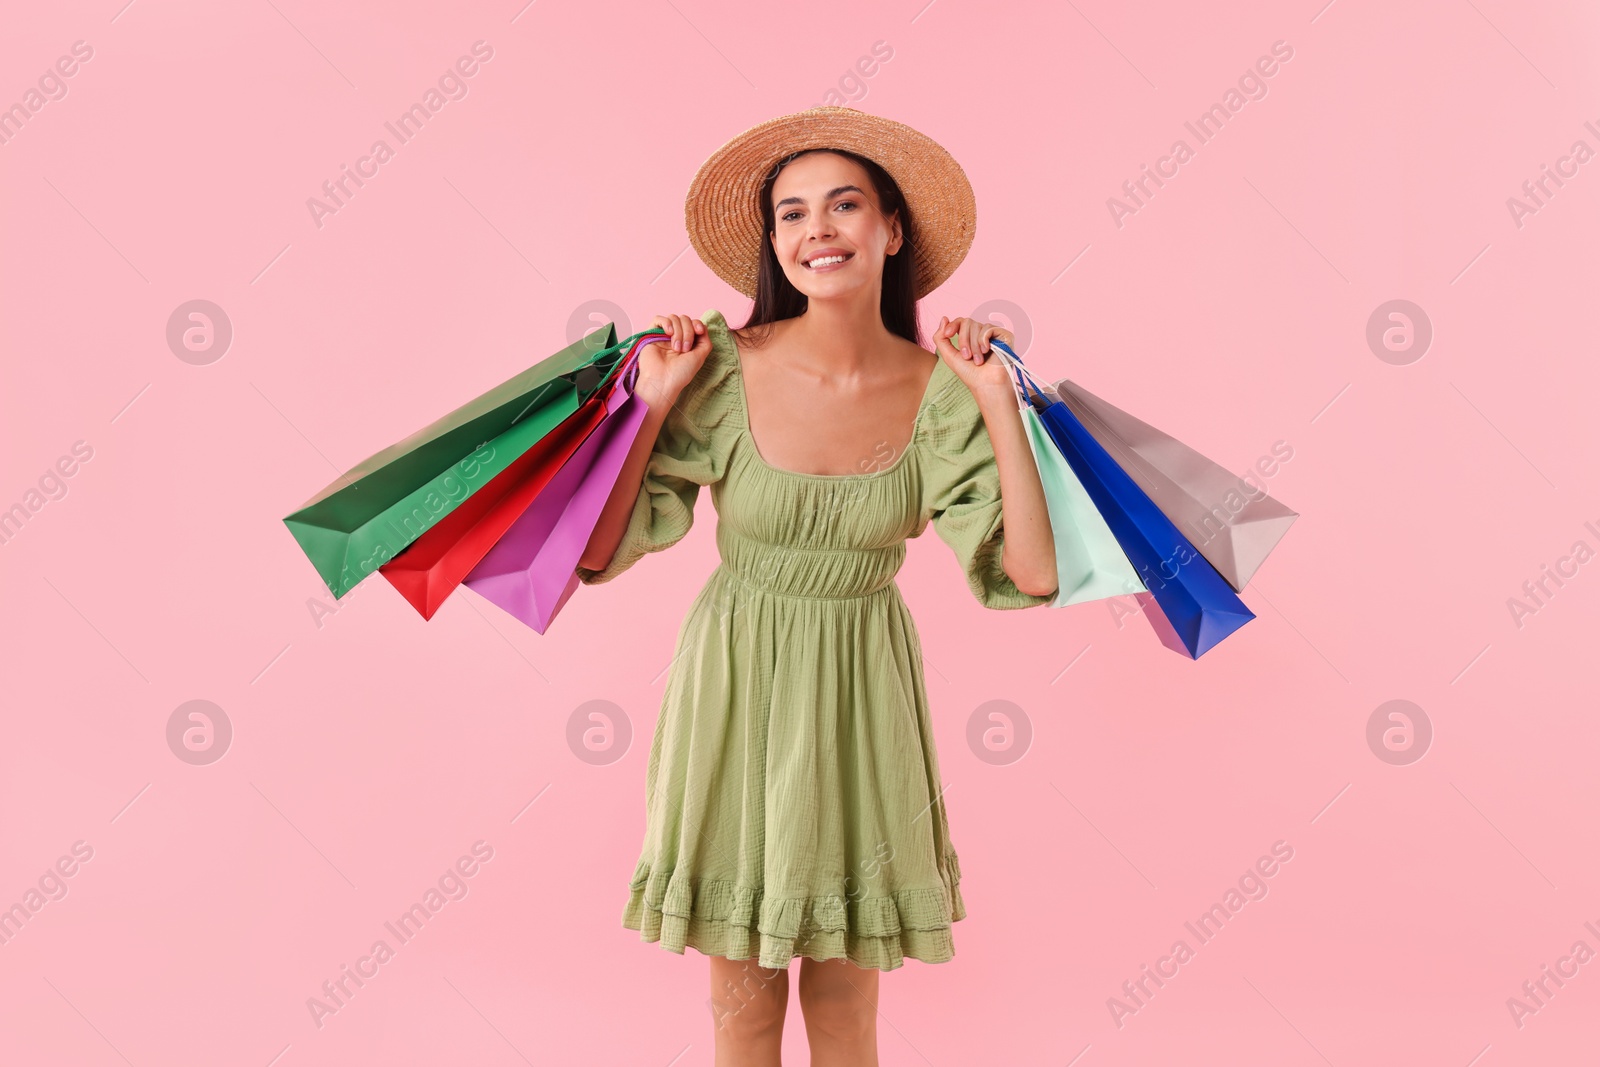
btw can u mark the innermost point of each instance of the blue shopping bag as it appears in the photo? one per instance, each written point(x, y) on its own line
point(1200, 605)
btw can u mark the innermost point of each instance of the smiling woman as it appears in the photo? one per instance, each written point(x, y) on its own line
point(794, 801)
point(854, 216)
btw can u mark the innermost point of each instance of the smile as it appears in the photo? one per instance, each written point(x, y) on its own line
point(827, 261)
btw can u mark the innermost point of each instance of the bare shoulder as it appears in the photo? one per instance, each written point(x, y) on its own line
point(764, 336)
point(926, 361)
point(919, 354)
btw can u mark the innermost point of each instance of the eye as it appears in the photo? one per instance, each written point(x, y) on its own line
point(788, 215)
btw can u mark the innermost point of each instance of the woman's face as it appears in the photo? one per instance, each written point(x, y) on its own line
point(824, 206)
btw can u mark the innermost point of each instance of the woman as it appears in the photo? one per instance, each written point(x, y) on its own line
point(793, 789)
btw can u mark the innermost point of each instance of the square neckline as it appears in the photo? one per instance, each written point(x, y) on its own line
point(749, 434)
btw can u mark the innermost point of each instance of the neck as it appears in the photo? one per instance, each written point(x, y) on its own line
point(843, 334)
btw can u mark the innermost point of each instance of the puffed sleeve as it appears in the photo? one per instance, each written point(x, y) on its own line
point(961, 494)
point(690, 451)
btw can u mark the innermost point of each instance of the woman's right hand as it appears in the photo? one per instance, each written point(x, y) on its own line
point(665, 367)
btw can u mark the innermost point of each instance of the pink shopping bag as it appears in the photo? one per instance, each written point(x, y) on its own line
point(531, 571)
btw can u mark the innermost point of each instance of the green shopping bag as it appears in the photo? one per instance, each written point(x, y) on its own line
point(388, 500)
point(1090, 564)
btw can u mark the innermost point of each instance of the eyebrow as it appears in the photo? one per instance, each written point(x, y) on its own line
point(831, 194)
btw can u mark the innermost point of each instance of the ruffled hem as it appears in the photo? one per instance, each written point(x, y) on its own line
point(720, 918)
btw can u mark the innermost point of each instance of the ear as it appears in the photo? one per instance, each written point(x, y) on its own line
point(895, 237)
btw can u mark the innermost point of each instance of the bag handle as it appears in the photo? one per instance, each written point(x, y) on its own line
point(1019, 370)
point(627, 370)
point(1022, 390)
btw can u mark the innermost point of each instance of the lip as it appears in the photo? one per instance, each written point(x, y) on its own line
point(823, 252)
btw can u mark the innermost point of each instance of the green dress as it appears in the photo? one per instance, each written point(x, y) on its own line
point(793, 798)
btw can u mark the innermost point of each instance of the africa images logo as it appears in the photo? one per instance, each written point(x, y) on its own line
point(452, 85)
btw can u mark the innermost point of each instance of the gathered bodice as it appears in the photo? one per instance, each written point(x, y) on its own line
point(823, 536)
point(814, 536)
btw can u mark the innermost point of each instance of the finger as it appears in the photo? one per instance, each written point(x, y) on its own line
point(657, 324)
point(984, 334)
point(975, 340)
point(680, 332)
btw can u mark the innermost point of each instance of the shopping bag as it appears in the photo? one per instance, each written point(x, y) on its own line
point(1233, 524)
point(1196, 601)
point(531, 572)
point(1090, 565)
point(377, 508)
point(428, 571)
point(435, 563)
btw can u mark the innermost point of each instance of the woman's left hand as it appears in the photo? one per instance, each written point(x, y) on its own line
point(964, 345)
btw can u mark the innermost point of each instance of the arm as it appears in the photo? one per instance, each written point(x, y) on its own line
point(613, 522)
point(1029, 553)
point(665, 369)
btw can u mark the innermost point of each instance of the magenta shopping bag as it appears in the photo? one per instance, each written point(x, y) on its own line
point(532, 570)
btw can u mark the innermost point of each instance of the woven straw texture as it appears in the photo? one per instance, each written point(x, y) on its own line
point(722, 211)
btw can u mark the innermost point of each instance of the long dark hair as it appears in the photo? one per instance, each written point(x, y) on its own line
point(776, 296)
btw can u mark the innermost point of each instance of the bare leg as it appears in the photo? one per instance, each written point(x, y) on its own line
point(748, 1002)
point(840, 1003)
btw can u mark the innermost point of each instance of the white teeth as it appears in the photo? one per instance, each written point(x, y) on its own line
point(825, 260)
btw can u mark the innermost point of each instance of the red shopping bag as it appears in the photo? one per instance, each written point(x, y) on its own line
point(433, 565)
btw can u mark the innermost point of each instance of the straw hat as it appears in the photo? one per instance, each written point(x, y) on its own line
point(723, 212)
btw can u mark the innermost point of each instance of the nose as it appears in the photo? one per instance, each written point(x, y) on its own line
point(821, 225)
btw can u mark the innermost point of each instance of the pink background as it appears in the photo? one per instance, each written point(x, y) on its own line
point(370, 750)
